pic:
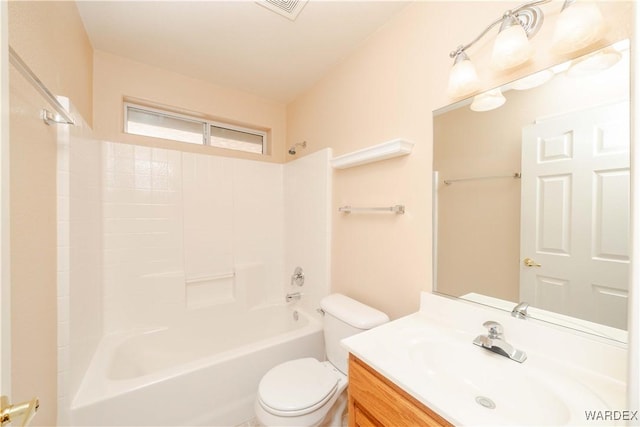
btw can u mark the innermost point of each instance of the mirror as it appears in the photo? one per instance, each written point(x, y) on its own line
point(531, 199)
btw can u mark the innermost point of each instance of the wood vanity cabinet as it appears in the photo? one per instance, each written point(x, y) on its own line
point(376, 401)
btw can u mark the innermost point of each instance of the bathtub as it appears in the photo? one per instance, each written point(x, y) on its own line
point(204, 370)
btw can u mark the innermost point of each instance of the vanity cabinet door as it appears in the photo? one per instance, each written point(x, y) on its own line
point(361, 419)
point(376, 401)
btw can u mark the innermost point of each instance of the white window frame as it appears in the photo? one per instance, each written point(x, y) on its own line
point(206, 126)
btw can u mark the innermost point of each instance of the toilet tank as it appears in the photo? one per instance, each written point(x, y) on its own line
point(343, 317)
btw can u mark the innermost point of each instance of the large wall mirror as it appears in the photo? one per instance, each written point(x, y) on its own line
point(531, 199)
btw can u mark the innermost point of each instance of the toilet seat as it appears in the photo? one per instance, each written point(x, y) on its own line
point(297, 387)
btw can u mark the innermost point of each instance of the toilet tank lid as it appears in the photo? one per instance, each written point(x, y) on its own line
point(353, 312)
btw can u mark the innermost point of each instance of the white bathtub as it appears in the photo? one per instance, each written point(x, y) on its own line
point(203, 371)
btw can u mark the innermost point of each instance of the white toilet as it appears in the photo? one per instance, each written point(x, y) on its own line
point(307, 392)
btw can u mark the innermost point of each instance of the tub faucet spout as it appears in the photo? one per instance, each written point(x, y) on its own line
point(296, 296)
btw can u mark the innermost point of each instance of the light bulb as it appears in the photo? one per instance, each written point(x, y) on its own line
point(512, 47)
point(463, 78)
point(489, 100)
point(594, 63)
point(533, 80)
point(579, 25)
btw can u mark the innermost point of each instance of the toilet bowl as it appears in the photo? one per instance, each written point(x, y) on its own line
point(301, 392)
point(308, 392)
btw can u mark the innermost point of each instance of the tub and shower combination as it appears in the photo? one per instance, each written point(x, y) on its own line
point(192, 284)
point(204, 370)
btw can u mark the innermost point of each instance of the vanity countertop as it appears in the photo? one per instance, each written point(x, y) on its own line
point(565, 379)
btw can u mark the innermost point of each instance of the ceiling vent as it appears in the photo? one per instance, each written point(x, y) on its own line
point(287, 8)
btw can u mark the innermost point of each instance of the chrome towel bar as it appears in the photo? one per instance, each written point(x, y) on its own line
point(516, 175)
point(397, 209)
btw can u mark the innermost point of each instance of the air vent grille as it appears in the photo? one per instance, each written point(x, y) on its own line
point(287, 8)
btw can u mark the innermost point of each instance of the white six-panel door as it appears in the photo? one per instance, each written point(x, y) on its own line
point(575, 214)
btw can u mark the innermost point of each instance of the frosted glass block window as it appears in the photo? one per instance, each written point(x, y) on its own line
point(145, 121)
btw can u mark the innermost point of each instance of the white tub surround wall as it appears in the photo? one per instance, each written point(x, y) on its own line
point(79, 211)
point(143, 266)
point(258, 234)
point(307, 218)
point(187, 231)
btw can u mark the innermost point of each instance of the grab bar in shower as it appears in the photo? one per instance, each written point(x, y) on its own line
point(397, 209)
point(515, 175)
point(210, 278)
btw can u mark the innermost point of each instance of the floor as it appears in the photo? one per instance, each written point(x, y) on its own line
point(253, 422)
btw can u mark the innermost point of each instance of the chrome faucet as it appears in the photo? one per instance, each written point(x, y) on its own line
point(495, 342)
point(520, 310)
point(296, 296)
point(297, 278)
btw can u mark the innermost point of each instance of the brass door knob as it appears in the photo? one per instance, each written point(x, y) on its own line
point(24, 410)
point(530, 263)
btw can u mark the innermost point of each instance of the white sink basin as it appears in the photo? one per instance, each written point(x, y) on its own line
point(493, 385)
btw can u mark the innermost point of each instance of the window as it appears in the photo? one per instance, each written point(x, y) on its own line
point(156, 123)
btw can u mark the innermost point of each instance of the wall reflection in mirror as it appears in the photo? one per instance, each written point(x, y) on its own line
point(531, 194)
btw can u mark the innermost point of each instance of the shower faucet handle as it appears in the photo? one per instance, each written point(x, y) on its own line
point(298, 277)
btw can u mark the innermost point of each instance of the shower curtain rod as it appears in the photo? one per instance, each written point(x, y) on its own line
point(26, 72)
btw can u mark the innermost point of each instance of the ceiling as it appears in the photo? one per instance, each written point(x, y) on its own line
point(236, 43)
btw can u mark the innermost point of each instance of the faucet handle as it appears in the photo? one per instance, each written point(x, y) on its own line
point(297, 278)
point(495, 329)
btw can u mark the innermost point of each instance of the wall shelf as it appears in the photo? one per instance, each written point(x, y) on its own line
point(386, 150)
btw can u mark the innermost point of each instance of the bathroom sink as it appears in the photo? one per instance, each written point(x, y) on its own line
point(489, 384)
point(498, 390)
point(479, 386)
point(470, 385)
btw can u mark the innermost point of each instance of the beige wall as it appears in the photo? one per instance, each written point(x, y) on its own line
point(33, 251)
point(384, 91)
point(116, 78)
point(388, 89)
point(50, 38)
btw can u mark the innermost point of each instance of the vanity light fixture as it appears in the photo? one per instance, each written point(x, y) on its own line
point(580, 24)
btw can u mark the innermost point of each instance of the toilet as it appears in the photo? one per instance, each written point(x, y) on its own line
point(307, 392)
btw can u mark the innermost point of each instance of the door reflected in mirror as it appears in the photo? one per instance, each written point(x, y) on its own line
point(531, 199)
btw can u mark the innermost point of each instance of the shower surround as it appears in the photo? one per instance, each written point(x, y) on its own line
point(182, 233)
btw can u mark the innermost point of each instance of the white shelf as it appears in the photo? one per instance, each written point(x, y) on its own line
point(386, 150)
